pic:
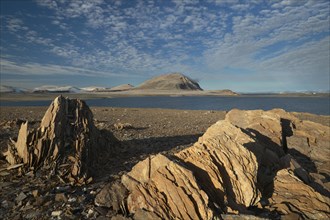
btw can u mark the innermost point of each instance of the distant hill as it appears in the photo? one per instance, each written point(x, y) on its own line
point(94, 89)
point(56, 89)
point(122, 87)
point(225, 92)
point(172, 81)
point(11, 89)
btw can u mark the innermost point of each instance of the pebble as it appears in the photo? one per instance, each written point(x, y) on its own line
point(60, 197)
point(56, 213)
point(20, 197)
point(35, 193)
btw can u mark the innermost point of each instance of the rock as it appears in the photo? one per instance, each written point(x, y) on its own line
point(112, 196)
point(60, 197)
point(56, 213)
point(35, 193)
point(307, 142)
point(91, 214)
point(243, 166)
point(224, 167)
point(293, 196)
point(66, 139)
point(218, 170)
point(142, 215)
point(241, 217)
point(122, 126)
point(21, 197)
point(167, 189)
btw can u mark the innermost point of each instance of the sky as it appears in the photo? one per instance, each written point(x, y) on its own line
point(245, 46)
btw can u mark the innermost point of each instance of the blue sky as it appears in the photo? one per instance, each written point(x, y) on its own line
point(246, 46)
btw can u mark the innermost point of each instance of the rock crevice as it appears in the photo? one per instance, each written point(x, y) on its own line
point(259, 163)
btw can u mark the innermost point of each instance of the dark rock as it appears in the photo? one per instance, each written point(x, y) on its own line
point(112, 196)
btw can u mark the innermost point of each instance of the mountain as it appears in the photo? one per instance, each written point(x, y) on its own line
point(94, 89)
point(122, 87)
point(224, 92)
point(56, 89)
point(172, 81)
point(10, 89)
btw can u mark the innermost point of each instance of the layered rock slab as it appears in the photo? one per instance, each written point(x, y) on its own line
point(241, 165)
point(66, 143)
point(307, 142)
point(215, 175)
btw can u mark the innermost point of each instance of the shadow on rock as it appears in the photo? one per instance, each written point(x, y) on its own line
point(272, 157)
point(127, 153)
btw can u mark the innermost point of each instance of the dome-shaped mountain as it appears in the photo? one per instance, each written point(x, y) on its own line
point(172, 81)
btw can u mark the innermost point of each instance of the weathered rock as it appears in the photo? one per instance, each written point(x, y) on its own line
point(307, 142)
point(167, 189)
point(245, 165)
point(61, 197)
point(112, 196)
point(291, 195)
point(224, 167)
point(66, 140)
point(122, 126)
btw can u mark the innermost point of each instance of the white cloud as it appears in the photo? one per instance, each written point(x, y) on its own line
point(15, 25)
point(197, 36)
point(14, 68)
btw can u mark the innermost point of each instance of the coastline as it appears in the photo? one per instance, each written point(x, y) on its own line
point(140, 93)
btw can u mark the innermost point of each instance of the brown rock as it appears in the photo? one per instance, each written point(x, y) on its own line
point(167, 189)
point(293, 196)
point(307, 142)
point(61, 197)
point(239, 164)
point(225, 168)
point(66, 136)
point(112, 196)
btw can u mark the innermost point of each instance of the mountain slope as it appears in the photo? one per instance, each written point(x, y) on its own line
point(172, 81)
point(122, 87)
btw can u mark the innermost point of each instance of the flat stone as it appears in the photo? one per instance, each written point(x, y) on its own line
point(20, 197)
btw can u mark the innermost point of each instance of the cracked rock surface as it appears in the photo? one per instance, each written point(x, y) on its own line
point(66, 143)
point(252, 164)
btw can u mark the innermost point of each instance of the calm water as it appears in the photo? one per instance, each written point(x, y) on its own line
point(316, 105)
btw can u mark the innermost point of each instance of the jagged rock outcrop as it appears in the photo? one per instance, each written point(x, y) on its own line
point(280, 131)
point(253, 163)
point(66, 143)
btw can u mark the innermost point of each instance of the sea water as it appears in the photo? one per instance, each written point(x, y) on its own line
point(315, 105)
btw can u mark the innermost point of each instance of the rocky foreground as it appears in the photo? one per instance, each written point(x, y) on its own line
point(250, 165)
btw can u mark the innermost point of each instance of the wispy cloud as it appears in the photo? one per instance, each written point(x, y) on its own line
point(203, 38)
point(10, 67)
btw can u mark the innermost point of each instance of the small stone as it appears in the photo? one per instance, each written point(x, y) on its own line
point(35, 193)
point(91, 213)
point(60, 197)
point(32, 214)
point(20, 197)
point(5, 204)
point(56, 213)
point(72, 199)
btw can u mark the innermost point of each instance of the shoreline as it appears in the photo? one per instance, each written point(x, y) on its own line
point(12, 97)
